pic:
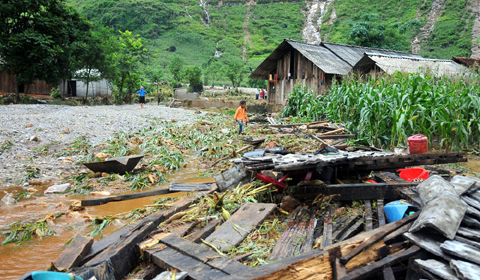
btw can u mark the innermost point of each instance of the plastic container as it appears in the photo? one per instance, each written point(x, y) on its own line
point(418, 144)
point(411, 174)
point(398, 209)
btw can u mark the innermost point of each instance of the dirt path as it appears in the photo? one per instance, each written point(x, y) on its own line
point(427, 29)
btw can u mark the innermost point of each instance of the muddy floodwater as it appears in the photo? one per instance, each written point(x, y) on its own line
point(37, 254)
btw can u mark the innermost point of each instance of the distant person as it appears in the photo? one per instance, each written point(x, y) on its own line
point(142, 93)
point(241, 116)
point(258, 94)
point(261, 93)
point(265, 94)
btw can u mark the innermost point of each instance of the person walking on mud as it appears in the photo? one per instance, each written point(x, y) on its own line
point(241, 116)
point(142, 93)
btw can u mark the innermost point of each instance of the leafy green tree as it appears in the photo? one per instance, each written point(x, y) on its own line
point(156, 76)
point(194, 76)
point(38, 40)
point(128, 57)
point(176, 68)
point(369, 30)
point(234, 70)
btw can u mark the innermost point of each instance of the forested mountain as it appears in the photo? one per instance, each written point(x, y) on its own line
point(211, 33)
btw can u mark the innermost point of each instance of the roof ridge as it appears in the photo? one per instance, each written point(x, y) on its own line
point(380, 49)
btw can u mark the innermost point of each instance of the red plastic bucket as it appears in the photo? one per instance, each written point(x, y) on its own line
point(411, 174)
point(418, 144)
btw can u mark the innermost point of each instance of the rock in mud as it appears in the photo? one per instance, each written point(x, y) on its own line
point(8, 199)
point(57, 188)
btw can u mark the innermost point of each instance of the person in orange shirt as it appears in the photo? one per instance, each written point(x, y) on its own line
point(241, 115)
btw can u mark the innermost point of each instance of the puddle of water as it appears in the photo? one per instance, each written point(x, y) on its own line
point(472, 164)
point(38, 254)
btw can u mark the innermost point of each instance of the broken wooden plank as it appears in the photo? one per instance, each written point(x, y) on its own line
point(351, 231)
point(122, 197)
point(367, 271)
point(437, 268)
point(380, 213)
point(396, 236)
point(461, 250)
point(428, 242)
point(339, 269)
point(376, 237)
point(375, 252)
point(388, 273)
point(337, 234)
point(410, 196)
point(327, 230)
point(234, 230)
point(368, 215)
point(73, 254)
point(465, 270)
point(294, 236)
point(204, 232)
point(185, 187)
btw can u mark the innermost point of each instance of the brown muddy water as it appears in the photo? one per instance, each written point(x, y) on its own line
point(37, 254)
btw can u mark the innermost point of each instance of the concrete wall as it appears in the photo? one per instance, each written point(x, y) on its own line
point(98, 88)
point(251, 108)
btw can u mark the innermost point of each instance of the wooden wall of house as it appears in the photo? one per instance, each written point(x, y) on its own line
point(302, 71)
point(7, 84)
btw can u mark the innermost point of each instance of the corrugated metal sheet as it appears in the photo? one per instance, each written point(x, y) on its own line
point(322, 58)
point(391, 64)
point(318, 54)
point(353, 54)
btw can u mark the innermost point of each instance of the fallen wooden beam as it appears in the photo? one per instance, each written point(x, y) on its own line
point(350, 192)
point(122, 197)
point(204, 232)
point(353, 230)
point(73, 254)
point(234, 230)
point(327, 230)
point(367, 271)
point(376, 237)
point(388, 273)
point(180, 187)
point(337, 234)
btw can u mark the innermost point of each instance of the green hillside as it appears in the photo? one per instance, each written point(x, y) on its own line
point(250, 30)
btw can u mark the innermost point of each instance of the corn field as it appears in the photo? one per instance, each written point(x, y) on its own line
point(386, 110)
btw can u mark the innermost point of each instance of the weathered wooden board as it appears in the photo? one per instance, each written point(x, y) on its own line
point(180, 187)
point(461, 250)
point(465, 270)
point(337, 234)
point(168, 258)
point(429, 243)
point(352, 230)
point(444, 214)
point(380, 213)
point(437, 268)
point(234, 230)
point(373, 253)
point(122, 197)
point(368, 215)
point(410, 196)
point(396, 236)
point(204, 255)
point(367, 271)
point(204, 232)
point(377, 236)
point(74, 252)
point(327, 231)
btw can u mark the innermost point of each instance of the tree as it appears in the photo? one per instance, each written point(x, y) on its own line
point(156, 76)
point(129, 55)
point(175, 67)
point(38, 39)
point(369, 31)
point(234, 71)
point(194, 76)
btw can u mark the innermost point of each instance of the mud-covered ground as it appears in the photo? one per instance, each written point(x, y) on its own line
point(29, 131)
